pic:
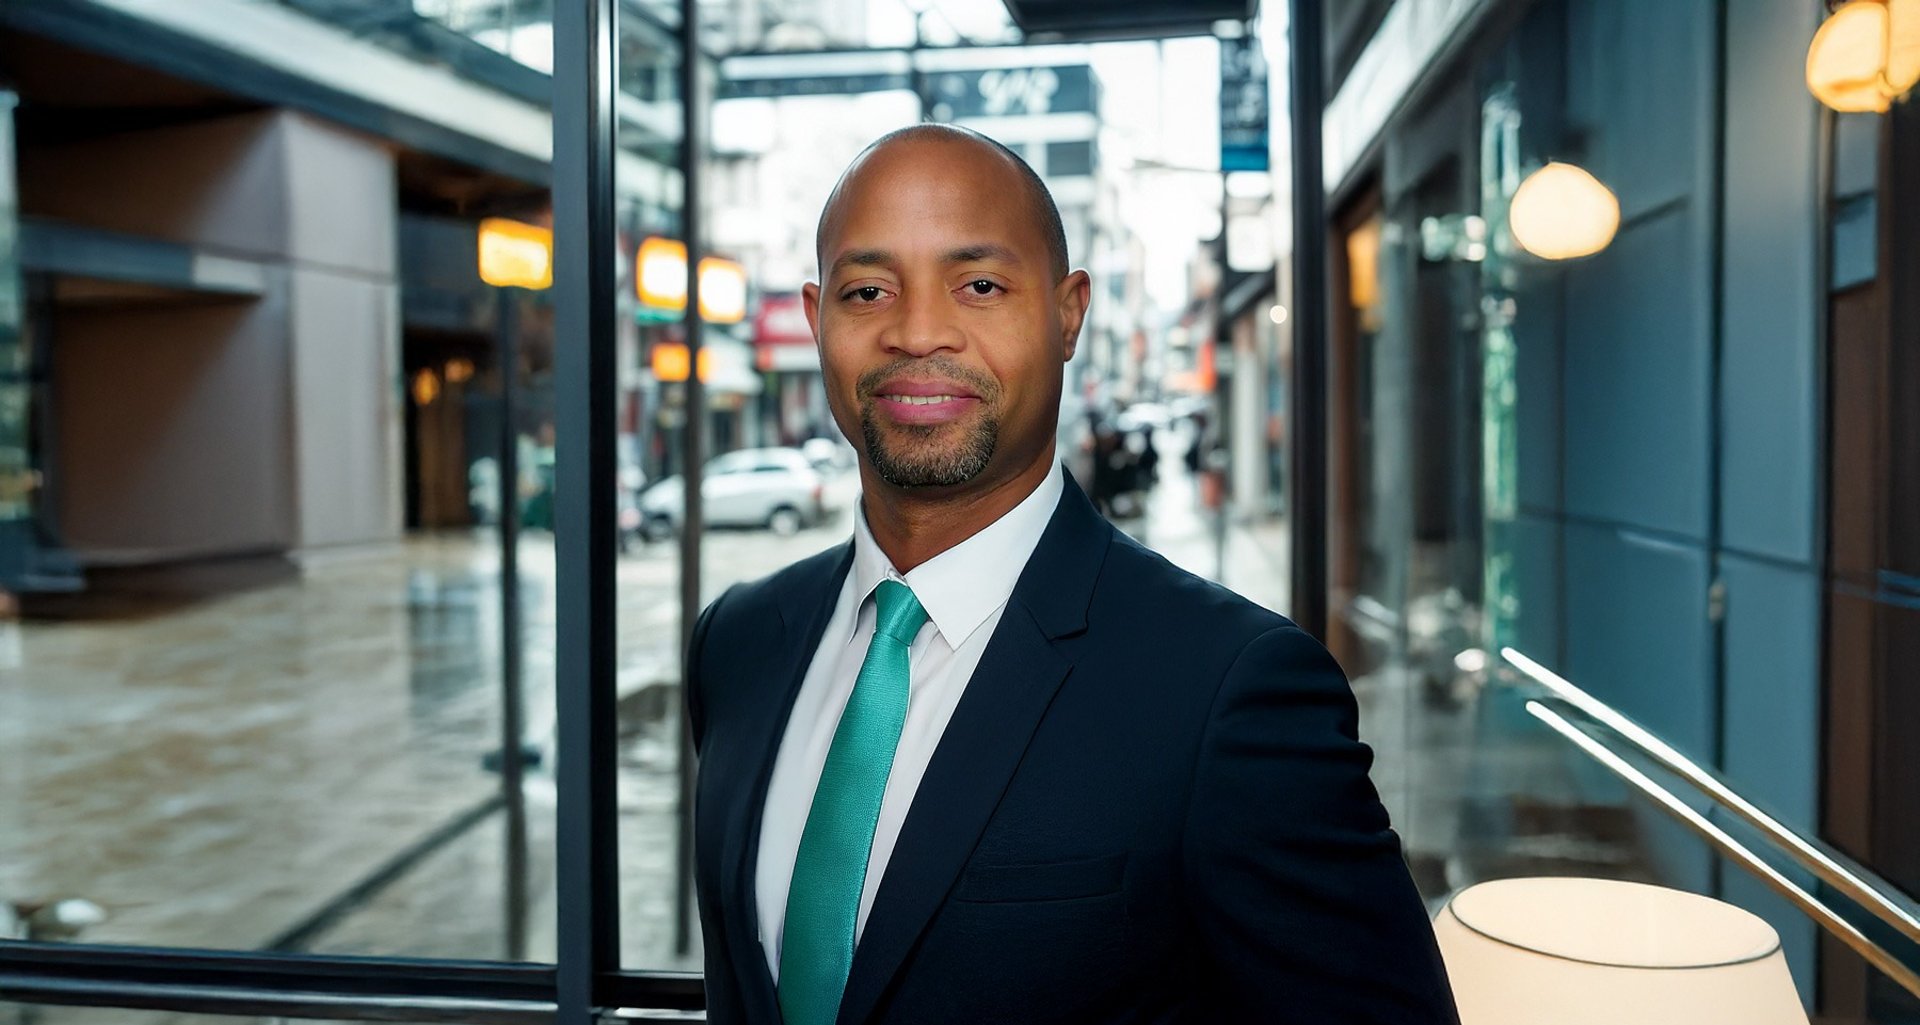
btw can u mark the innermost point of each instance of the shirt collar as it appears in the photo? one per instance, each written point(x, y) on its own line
point(963, 585)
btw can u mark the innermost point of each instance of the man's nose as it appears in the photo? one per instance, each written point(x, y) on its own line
point(924, 325)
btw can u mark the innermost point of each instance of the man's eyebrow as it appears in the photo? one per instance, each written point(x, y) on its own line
point(980, 251)
point(864, 258)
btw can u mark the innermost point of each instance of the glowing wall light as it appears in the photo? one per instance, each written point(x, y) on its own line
point(1865, 55)
point(662, 282)
point(1561, 212)
point(515, 255)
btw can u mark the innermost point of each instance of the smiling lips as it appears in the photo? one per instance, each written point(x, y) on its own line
point(924, 402)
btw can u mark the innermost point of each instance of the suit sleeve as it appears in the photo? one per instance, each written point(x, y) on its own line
point(723, 1003)
point(695, 689)
point(1298, 886)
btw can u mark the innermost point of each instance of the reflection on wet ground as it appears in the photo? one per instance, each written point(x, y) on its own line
point(210, 773)
point(241, 756)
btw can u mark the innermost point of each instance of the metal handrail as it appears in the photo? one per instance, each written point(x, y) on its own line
point(1615, 741)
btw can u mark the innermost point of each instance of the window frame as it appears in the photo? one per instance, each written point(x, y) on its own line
point(586, 977)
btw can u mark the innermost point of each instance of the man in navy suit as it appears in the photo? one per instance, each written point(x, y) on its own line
point(991, 760)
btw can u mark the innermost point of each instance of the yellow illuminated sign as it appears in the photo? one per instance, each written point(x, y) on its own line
point(670, 362)
point(660, 276)
point(513, 254)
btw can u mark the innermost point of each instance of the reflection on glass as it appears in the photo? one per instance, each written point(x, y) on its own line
point(520, 29)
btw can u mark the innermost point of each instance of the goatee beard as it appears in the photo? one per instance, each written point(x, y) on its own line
point(933, 469)
point(938, 466)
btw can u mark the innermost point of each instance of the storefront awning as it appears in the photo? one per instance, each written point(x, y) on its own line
point(1075, 19)
point(782, 338)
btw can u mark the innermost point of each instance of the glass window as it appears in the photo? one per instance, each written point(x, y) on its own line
point(1872, 461)
point(253, 697)
point(658, 927)
point(1070, 158)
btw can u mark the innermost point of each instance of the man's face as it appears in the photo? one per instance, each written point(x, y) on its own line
point(941, 326)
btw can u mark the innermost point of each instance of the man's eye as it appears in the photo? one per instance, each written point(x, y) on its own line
point(870, 293)
point(983, 287)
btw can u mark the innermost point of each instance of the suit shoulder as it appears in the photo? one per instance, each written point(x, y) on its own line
point(1182, 602)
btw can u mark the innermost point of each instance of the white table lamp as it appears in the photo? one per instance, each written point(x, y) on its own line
point(1568, 951)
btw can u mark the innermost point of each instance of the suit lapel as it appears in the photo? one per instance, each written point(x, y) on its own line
point(1005, 700)
point(803, 613)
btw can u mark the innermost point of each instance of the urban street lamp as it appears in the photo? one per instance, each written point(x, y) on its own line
point(512, 256)
point(1865, 55)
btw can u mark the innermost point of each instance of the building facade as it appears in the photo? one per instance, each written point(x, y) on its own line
point(1668, 470)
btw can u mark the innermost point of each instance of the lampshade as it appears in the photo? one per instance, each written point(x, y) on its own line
point(1561, 212)
point(1602, 952)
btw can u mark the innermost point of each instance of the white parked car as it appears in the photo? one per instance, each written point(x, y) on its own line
point(776, 488)
point(831, 456)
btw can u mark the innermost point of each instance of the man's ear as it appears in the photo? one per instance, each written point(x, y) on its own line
point(810, 301)
point(1070, 299)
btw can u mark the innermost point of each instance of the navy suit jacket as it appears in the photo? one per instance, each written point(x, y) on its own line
point(1150, 806)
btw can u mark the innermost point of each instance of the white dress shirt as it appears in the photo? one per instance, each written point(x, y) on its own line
point(964, 590)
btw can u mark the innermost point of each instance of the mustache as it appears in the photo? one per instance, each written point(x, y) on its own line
point(977, 381)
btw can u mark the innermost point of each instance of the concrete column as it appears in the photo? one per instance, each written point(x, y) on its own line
point(207, 426)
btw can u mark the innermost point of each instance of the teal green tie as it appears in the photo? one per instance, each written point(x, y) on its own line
point(830, 870)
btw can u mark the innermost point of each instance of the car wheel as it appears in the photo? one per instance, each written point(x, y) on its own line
point(785, 521)
point(656, 528)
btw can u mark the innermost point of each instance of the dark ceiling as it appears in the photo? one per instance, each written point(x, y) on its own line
point(1080, 19)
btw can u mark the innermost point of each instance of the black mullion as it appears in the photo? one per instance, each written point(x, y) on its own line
point(294, 986)
point(585, 276)
point(1307, 458)
point(693, 457)
point(276, 1001)
point(666, 991)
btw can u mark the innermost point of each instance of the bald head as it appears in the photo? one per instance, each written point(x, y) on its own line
point(1031, 189)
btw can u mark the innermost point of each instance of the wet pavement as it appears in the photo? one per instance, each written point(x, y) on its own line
point(216, 756)
point(245, 756)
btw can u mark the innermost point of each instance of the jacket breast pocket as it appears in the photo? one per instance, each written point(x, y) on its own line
point(1079, 879)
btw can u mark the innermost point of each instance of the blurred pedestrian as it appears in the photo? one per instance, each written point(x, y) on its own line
point(1195, 457)
point(1109, 458)
point(1149, 461)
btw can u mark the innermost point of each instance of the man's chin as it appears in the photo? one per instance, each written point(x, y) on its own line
point(922, 473)
point(931, 456)
point(931, 463)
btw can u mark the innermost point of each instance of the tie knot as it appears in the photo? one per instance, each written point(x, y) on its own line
point(900, 613)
